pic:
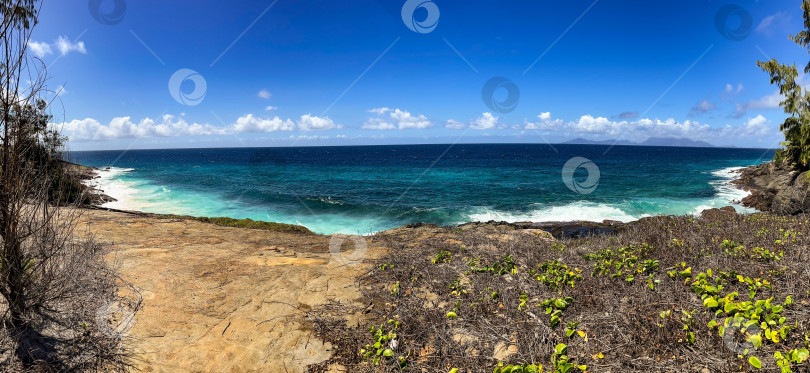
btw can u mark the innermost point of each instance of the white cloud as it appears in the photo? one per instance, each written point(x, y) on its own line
point(396, 119)
point(406, 120)
point(264, 94)
point(248, 123)
point(377, 124)
point(380, 111)
point(768, 102)
point(757, 126)
point(65, 46)
point(124, 127)
point(486, 121)
point(545, 123)
point(309, 122)
point(62, 44)
point(39, 49)
point(598, 125)
point(271, 108)
point(702, 107)
point(309, 138)
point(454, 124)
point(60, 91)
point(730, 88)
point(643, 129)
point(771, 21)
point(170, 126)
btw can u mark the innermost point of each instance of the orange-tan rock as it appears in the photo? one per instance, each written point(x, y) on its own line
point(221, 299)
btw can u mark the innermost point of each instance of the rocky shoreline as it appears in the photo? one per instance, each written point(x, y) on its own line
point(84, 174)
point(775, 188)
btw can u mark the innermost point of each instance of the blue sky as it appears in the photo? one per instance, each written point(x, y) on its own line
point(338, 73)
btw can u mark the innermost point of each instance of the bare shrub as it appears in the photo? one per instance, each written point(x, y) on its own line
point(52, 282)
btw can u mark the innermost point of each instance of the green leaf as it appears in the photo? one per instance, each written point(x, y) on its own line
point(710, 302)
point(561, 349)
point(802, 355)
point(388, 353)
point(756, 339)
point(569, 332)
point(755, 362)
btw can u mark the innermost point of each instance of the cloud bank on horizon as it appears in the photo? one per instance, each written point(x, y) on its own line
point(385, 119)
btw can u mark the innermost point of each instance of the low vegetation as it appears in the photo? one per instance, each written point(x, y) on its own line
point(242, 223)
point(725, 293)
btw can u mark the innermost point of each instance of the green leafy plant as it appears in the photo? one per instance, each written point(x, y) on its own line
point(556, 275)
point(442, 257)
point(505, 264)
point(790, 358)
point(571, 328)
point(562, 363)
point(457, 287)
point(554, 308)
point(520, 368)
point(381, 349)
point(617, 262)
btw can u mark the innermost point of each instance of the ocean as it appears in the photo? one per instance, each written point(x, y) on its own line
point(366, 189)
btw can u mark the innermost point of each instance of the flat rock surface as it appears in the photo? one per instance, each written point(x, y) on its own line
point(225, 299)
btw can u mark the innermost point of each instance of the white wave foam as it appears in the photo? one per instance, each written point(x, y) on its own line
point(587, 211)
point(126, 193)
point(727, 193)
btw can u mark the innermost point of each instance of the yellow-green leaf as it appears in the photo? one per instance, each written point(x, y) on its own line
point(755, 362)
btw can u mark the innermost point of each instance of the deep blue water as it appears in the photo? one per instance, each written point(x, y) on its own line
point(363, 189)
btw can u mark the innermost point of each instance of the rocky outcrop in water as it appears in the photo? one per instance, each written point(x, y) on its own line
point(775, 188)
point(83, 175)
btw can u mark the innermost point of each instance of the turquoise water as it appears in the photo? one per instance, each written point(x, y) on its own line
point(364, 189)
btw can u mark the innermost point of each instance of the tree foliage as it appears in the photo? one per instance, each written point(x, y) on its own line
point(796, 128)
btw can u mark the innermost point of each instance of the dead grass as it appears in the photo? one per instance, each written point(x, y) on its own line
point(625, 325)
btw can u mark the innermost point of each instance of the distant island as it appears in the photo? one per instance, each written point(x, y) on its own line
point(652, 141)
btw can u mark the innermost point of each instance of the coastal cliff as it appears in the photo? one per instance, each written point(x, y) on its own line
point(775, 188)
